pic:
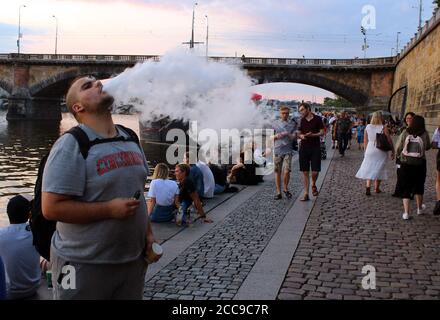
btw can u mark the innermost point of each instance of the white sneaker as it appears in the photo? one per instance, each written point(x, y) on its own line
point(405, 216)
point(420, 210)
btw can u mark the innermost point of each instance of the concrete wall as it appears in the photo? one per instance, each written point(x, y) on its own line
point(419, 69)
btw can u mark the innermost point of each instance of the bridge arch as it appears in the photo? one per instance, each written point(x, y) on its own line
point(355, 96)
point(57, 85)
point(5, 86)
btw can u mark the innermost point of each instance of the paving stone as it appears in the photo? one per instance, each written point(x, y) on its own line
point(347, 230)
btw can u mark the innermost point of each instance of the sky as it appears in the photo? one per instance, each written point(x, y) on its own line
point(276, 28)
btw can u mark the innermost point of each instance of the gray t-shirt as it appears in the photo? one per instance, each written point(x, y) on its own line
point(112, 170)
point(284, 145)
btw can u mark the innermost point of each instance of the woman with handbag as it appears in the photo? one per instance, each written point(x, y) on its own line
point(377, 140)
point(411, 147)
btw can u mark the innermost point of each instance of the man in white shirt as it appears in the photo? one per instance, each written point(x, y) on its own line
point(332, 123)
point(21, 259)
point(436, 145)
point(208, 179)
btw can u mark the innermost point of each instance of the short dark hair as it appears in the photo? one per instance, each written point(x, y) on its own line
point(18, 209)
point(184, 167)
point(417, 127)
point(305, 105)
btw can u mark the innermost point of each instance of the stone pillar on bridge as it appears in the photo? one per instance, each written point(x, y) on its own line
point(22, 105)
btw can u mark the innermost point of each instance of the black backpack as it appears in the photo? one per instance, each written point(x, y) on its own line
point(43, 229)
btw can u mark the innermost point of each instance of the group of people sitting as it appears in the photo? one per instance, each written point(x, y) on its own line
point(173, 199)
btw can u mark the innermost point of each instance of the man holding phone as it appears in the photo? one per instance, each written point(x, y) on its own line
point(102, 231)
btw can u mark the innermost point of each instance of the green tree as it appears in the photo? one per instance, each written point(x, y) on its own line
point(338, 102)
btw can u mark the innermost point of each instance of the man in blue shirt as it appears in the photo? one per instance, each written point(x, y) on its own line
point(21, 259)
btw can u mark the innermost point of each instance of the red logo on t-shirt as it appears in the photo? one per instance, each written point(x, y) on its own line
point(118, 160)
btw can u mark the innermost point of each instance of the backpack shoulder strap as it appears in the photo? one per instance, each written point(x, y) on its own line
point(130, 132)
point(82, 139)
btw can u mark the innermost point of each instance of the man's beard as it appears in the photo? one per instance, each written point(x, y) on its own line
point(106, 104)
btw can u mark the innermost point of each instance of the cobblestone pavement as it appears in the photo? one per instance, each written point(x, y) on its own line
point(348, 230)
point(216, 265)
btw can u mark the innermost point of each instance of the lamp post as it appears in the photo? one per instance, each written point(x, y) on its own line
point(191, 45)
point(397, 43)
point(365, 45)
point(191, 41)
point(19, 27)
point(207, 35)
point(56, 34)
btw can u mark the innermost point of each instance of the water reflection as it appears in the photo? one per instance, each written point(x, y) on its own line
point(24, 143)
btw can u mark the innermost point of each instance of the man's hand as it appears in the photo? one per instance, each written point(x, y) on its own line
point(302, 136)
point(123, 208)
point(150, 241)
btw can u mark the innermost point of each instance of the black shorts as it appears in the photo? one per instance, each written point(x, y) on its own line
point(310, 157)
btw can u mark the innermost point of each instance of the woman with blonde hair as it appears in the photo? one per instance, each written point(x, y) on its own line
point(163, 195)
point(373, 165)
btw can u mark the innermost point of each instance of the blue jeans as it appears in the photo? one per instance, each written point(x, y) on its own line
point(162, 213)
point(219, 189)
point(185, 206)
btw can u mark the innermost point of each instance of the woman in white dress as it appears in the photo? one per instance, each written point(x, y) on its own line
point(373, 166)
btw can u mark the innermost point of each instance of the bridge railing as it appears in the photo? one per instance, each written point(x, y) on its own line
point(429, 25)
point(230, 60)
point(78, 57)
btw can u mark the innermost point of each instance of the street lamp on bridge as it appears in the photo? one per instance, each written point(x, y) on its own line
point(56, 34)
point(192, 42)
point(19, 27)
point(207, 34)
point(365, 45)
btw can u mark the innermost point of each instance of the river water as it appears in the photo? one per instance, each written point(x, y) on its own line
point(23, 144)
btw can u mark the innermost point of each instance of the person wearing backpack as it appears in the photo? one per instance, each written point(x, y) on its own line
point(436, 145)
point(410, 148)
point(397, 190)
point(102, 230)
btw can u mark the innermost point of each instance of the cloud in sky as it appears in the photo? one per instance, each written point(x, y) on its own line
point(281, 28)
point(286, 28)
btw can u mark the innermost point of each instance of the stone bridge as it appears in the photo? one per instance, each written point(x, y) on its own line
point(35, 84)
